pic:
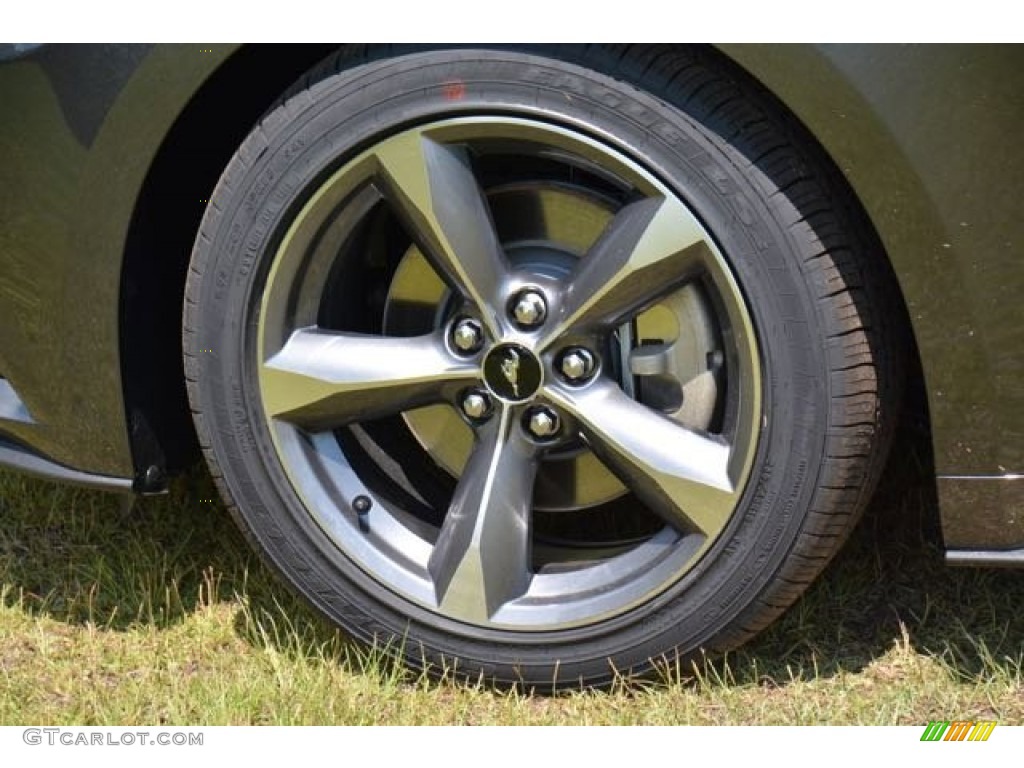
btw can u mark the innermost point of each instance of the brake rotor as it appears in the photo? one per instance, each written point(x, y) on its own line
point(667, 358)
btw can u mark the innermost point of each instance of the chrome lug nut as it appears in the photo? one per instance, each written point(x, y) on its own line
point(468, 336)
point(577, 364)
point(542, 422)
point(476, 405)
point(529, 308)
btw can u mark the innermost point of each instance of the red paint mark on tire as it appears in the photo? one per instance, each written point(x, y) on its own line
point(454, 90)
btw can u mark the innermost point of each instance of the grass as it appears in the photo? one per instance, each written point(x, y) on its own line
point(159, 614)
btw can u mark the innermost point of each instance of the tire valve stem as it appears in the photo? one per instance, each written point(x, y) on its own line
point(361, 506)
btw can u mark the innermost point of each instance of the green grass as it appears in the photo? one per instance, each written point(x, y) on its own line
point(161, 615)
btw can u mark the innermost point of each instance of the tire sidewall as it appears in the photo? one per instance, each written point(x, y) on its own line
point(302, 141)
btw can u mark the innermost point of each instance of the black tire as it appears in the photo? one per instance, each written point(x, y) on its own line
point(808, 269)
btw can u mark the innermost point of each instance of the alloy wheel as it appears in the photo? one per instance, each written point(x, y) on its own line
point(542, 344)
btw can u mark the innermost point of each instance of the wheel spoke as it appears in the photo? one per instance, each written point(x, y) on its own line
point(482, 556)
point(434, 188)
point(649, 249)
point(324, 379)
point(681, 474)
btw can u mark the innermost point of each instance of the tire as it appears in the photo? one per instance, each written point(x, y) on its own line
point(637, 415)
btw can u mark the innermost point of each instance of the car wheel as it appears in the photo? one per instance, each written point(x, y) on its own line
point(539, 366)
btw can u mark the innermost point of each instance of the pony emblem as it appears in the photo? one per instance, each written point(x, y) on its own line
point(510, 368)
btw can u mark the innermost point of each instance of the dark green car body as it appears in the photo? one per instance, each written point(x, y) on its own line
point(108, 154)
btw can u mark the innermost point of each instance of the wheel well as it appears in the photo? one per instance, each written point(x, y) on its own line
point(166, 218)
point(171, 205)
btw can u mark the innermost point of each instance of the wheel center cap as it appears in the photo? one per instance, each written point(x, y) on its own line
point(512, 372)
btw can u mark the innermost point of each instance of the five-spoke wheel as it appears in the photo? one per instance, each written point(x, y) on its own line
point(539, 343)
point(539, 367)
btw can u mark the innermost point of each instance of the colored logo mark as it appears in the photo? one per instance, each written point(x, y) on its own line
point(958, 730)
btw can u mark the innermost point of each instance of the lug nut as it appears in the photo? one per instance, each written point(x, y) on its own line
point(529, 309)
point(476, 405)
point(467, 336)
point(542, 422)
point(577, 364)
